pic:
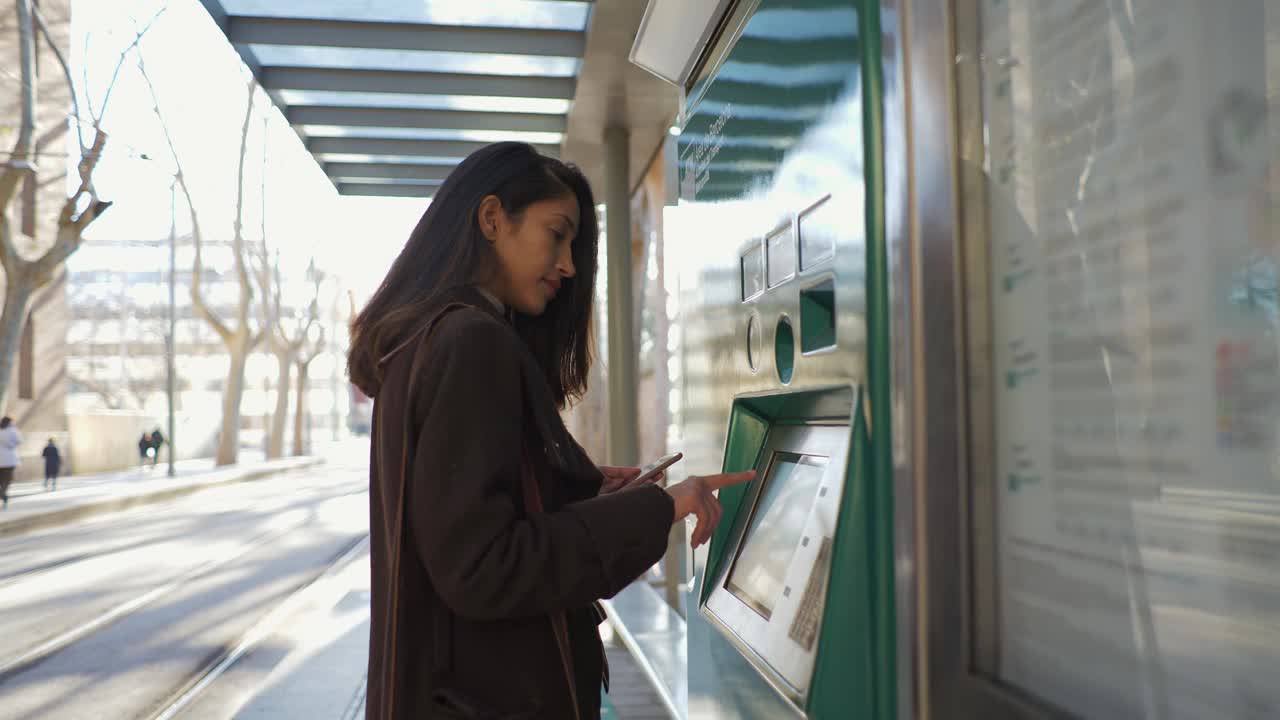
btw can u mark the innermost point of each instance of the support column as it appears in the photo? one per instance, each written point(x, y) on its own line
point(622, 340)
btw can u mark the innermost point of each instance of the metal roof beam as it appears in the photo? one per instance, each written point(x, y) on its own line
point(431, 119)
point(421, 83)
point(388, 171)
point(404, 36)
point(404, 148)
point(387, 190)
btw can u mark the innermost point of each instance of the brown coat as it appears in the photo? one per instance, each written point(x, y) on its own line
point(478, 575)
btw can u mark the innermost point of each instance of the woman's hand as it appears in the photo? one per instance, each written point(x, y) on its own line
point(623, 478)
point(696, 496)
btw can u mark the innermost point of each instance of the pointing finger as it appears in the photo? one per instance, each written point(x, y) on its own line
point(726, 479)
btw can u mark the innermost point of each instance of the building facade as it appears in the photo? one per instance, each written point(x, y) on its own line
point(37, 389)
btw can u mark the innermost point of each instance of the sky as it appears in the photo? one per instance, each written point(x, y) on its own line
point(204, 110)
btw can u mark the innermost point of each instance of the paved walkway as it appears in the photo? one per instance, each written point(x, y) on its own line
point(31, 507)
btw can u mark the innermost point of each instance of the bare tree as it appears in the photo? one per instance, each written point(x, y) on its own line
point(311, 347)
point(288, 335)
point(25, 275)
point(241, 338)
point(280, 344)
point(285, 335)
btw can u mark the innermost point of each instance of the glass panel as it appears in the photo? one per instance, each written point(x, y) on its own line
point(773, 534)
point(781, 249)
point(546, 14)
point(753, 272)
point(803, 24)
point(421, 61)
point(405, 101)
point(1132, 170)
point(818, 233)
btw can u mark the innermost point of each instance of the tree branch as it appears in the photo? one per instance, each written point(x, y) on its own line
point(66, 71)
point(237, 240)
point(20, 158)
point(197, 239)
point(115, 74)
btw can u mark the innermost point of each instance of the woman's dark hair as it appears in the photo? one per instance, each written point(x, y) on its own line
point(447, 250)
point(5, 422)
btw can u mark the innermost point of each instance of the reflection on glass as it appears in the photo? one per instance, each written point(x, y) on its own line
point(782, 255)
point(1132, 175)
point(773, 535)
point(753, 272)
point(817, 234)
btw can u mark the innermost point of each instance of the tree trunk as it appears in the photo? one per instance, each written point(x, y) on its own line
point(232, 392)
point(300, 410)
point(17, 298)
point(275, 441)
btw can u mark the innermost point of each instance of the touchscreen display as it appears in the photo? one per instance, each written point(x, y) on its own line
point(774, 532)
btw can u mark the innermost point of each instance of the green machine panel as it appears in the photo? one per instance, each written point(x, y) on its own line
point(779, 247)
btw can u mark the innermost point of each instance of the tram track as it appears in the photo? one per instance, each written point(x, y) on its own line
point(12, 578)
point(321, 585)
point(40, 652)
point(143, 614)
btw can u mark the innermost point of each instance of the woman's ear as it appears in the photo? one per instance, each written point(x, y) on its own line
point(489, 215)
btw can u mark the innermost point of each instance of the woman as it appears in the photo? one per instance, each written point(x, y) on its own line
point(493, 533)
point(10, 439)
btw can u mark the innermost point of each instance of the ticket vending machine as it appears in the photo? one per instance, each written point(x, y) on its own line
point(779, 255)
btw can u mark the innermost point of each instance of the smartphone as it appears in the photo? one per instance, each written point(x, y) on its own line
point(657, 466)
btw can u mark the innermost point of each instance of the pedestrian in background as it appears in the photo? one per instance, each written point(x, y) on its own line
point(144, 449)
point(52, 464)
point(157, 442)
point(10, 439)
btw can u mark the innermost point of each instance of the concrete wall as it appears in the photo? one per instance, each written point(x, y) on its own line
point(105, 441)
point(108, 440)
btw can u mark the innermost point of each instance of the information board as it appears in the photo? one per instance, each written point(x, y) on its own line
point(1133, 172)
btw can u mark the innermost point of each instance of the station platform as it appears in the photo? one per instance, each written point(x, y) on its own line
point(308, 660)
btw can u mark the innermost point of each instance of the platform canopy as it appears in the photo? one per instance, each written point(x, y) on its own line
point(389, 95)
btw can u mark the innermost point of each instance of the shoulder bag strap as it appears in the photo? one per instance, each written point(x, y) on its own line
point(559, 624)
point(397, 543)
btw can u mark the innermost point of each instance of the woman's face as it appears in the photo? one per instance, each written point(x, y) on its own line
point(534, 250)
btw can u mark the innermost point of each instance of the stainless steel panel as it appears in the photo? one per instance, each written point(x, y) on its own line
point(932, 385)
point(768, 140)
